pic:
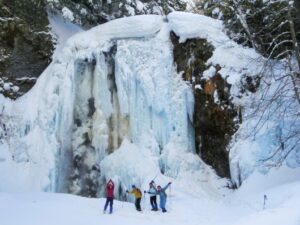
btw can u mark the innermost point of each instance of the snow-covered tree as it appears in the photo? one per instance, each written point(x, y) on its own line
point(91, 12)
point(272, 28)
point(263, 25)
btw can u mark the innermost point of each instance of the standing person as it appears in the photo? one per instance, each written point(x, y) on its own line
point(109, 196)
point(138, 196)
point(152, 189)
point(162, 196)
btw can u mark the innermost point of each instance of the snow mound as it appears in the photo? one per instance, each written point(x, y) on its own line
point(233, 58)
point(130, 165)
point(129, 27)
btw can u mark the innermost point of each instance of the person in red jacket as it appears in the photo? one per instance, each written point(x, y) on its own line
point(109, 196)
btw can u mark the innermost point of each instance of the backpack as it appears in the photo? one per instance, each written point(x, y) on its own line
point(139, 191)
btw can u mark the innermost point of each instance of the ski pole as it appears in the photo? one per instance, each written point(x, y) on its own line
point(170, 196)
point(265, 201)
point(144, 200)
point(155, 176)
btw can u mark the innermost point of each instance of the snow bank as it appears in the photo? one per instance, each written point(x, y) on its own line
point(233, 58)
point(279, 206)
point(129, 165)
point(188, 26)
point(129, 27)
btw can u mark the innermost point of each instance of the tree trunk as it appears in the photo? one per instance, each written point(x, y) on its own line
point(295, 43)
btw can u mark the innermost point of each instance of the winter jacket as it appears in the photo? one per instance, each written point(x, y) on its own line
point(136, 192)
point(152, 190)
point(110, 189)
point(161, 193)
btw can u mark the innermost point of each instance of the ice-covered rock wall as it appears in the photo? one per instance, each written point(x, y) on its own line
point(112, 105)
point(114, 83)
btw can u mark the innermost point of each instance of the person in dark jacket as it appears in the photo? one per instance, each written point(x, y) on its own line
point(138, 196)
point(153, 202)
point(109, 196)
point(162, 196)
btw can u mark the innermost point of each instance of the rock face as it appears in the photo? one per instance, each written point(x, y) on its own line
point(26, 46)
point(214, 113)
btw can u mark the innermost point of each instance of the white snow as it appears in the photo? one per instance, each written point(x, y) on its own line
point(243, 207)
point(83, 11)
point(190, 5)
point(67, 14)
point(6, 86)
point(130, 10)
point(233, 58)
point(139, 5)
point(125, 166)
point(129, 27)
point(15, 88)
point(216, 11)
point(209, 73)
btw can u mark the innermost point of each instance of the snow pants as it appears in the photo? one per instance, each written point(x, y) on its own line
point(109, 201)
point(138, 204)
point(153, 202)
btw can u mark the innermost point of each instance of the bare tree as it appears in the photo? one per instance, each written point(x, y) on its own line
point(268, 26)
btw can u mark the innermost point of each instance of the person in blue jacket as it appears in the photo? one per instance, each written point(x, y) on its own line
point(162, 196)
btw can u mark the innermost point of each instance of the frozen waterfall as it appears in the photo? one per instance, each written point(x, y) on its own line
point(114, 84)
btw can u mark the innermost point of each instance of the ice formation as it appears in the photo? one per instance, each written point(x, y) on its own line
point(103, 89)
point(111, 105)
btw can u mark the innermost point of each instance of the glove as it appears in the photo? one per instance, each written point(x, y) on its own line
point(145, 192)
point(127, 191)
point(170, 183)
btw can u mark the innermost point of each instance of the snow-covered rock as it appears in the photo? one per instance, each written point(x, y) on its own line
point(67, 14)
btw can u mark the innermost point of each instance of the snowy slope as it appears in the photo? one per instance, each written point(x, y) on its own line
point(243, 207)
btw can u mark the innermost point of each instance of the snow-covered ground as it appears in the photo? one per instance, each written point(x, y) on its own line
point(242, 207)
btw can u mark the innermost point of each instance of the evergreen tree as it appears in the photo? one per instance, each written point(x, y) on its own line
point(261, 24)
